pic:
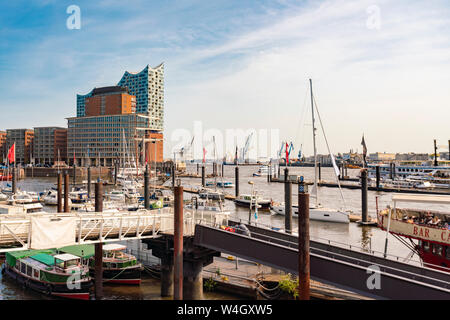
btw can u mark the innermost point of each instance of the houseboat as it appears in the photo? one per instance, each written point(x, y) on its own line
point(245, 200)
point(44, 271)
point(427, 230)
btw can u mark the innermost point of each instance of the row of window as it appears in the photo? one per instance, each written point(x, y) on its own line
point(436, 249)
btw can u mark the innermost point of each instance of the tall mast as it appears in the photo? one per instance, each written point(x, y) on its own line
point(314, 141)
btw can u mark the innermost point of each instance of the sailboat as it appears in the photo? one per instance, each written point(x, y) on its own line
point(316, 210)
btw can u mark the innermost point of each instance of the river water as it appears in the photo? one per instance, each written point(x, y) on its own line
point(367, 238)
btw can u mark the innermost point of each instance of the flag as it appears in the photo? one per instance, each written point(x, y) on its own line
point(287, 153)
point(204, 154)
point(12, 153)
point(363, 143)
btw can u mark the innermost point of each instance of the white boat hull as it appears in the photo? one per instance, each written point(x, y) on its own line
point(317, 214)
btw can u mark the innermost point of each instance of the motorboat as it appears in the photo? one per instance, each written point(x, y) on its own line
point(225, 184)
point(23, 197)
point(210, 194)
point(78, 195)
point(246, 199)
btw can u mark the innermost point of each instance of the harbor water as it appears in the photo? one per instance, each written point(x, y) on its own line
point(360, 238)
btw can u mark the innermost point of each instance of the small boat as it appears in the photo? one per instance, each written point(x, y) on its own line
point(263, 171)
point(118, 267)
point(116, 195)
point(131, 193)
point(256, 201)
point(318, 213)
point(210, 194)
point(44, 271)
point(25, 208)
point(22, 197)
point(225, 184)
point(3, 197)
point(78, 195)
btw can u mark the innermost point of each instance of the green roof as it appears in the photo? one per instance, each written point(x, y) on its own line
point(12, 256)
point(81, 250)
point(44, 258)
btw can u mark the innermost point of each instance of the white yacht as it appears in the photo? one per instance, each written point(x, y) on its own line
point(316, 213)
point(211, 194)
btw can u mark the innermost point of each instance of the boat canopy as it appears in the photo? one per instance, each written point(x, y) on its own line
point(13, 256)
point(82, 250)
point(113, 247)
point(437, 199)
point(44, 258)
point(66, 257)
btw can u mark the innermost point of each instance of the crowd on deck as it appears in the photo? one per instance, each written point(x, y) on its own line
point(428, 220)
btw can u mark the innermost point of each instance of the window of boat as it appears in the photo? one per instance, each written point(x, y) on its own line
point(23, 268)
point(71, 263)
point(113, 265)
point(29, 270)
point(437, 249)
point(447, 249)
point(426, 246)
point(36, 273)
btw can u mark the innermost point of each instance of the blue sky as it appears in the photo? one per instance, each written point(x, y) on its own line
point(241, 64)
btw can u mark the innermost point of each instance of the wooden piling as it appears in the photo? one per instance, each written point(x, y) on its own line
point(66, 193)
point(98, 270)
point(364, 212)
point(236, 181)
point(178, 244)
point(288, 207)
point(89, 181)
point(203, 176)
point(146, 189)
point(303, 245)
point(14, 180)
point(59, 196)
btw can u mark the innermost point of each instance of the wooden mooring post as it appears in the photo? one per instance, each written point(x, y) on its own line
point(178, 244)
point(59, 195)
point(303, 242)
point(98, 272)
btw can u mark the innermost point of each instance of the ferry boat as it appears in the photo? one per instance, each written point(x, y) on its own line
point(118, 267)
point(429, 228)
point(403, 171)
point(44, 271)
point(245, 200)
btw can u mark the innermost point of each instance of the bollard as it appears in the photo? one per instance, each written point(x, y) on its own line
point(178, 244)
point(377, 177)
point(303, 244)
point(364, 196)
point(146, 189)
point(98, 271)
point(59, 197)
point(288, 207)
point(89, 181)
point(203, 176)
point(66, 193)
point(236, 181)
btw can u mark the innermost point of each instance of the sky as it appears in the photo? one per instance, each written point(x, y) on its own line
point(378, 68)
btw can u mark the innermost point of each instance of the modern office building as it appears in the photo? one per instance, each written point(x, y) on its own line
point(49, 144)
point(99, 140)
point(23, 138)
point(148, 88)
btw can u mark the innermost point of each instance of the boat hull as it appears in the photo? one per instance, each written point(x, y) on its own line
point(130, 275)
point(317, 214)
point(263, 205)
point(52, 289)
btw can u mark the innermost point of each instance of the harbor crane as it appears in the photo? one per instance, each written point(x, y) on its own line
point(246, 147)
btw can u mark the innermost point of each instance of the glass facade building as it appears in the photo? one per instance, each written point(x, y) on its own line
point(148, 87)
